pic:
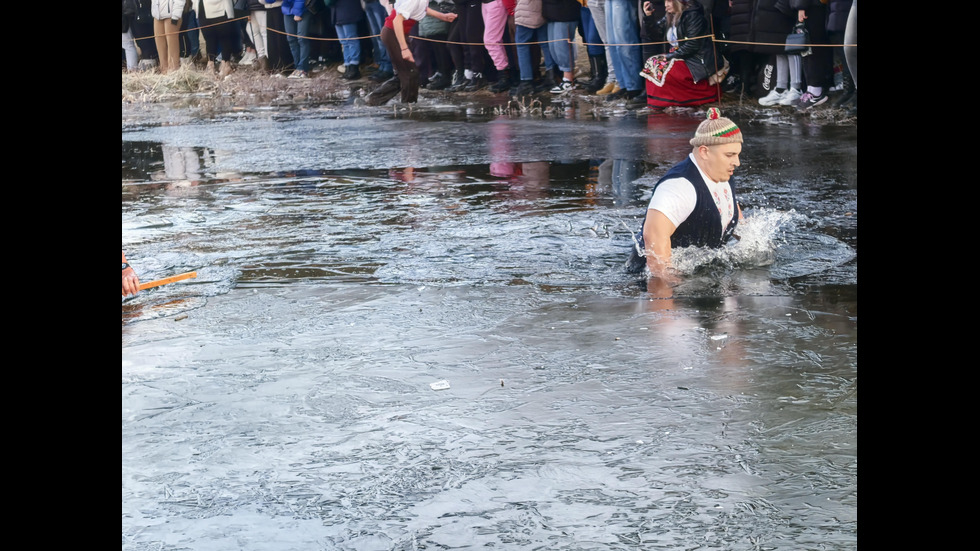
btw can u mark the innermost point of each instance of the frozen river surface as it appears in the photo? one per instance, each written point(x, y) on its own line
point(353, 262)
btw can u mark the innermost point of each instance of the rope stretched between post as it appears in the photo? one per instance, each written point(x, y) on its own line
point(570, 41)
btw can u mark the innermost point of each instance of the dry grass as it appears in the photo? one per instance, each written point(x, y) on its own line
point(152, 86)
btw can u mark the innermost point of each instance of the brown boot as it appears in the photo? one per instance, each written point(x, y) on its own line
point(225, 69)
point(262, 64)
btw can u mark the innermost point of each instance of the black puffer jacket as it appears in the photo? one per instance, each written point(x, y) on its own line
point(764, 23)
point(699, 54)
point(561, 10)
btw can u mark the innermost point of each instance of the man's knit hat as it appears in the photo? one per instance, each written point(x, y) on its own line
point(716, 130)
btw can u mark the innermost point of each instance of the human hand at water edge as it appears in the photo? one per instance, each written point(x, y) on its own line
point(130, 281)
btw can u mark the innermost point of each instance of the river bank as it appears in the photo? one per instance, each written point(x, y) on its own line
point(206, 93)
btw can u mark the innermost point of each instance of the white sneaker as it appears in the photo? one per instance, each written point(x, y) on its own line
point(248, 58)
point(772, 98)
point(298, 74)
point(790, 97)
point(563, 87)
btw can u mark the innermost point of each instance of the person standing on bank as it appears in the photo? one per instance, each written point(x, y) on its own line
point(214, 17)
point(685, 76)
point(346, 15)
point(694, 203)
point(404, 15)
point(166, 32)
point(296, 19)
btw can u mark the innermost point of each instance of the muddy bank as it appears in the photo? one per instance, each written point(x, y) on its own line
point(199, 93)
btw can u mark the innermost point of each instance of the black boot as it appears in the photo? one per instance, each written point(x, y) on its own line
point(503, 83)
point(477, 82)
point(547, 81)
point(439, 81)
point(600, 71)
point(352, 72)
point(459, 81)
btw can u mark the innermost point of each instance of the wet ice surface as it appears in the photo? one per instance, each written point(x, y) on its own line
point(282, 399)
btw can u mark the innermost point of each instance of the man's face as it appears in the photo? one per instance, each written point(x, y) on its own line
point(719, 161)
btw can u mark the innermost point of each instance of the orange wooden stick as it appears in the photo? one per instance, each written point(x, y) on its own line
point(167, 280)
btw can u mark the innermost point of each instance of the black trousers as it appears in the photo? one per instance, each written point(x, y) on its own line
point(405, 71)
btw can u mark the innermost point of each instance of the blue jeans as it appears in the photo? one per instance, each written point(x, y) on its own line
point(562, 51)
point(299, 45)
point(376, 15)
point(523, 36)
point(590, 33)
point(350, 43)
point(623, 27)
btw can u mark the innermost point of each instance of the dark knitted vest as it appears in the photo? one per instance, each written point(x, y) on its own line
point(702, 228)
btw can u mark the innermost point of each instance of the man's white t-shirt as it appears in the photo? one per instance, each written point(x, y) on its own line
point(676, 198)
point(411, 9)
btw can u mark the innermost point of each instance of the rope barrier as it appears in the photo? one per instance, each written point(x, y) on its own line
point(570, 41)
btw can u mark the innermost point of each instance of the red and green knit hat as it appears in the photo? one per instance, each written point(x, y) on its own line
point(716, 130)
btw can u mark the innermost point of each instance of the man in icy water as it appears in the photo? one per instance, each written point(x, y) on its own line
point(694, 202)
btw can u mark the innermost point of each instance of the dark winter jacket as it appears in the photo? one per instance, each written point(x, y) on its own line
point(561, 10)
point(699, 54)
point(128, 13)
point(765, 24)
point(346, 12)
point(837, 12)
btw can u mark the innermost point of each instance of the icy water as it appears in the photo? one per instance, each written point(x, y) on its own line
point(352, 263)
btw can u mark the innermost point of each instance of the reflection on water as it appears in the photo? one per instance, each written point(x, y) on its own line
point(281, 400)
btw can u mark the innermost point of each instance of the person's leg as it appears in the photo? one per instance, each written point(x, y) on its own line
point(850, 43)
point(349, 43)
point(494, 24)
point(129, 46)
point(594, 46)
point(562, 51)
point(191, 33)
point(476, 51)
point(622, 27)
point(303, 29)
point(598, 9)
point(782, 72)
point(229, 41)
point(444, 62)
point(258, 32)
point(160, 39)
point(376, 15)
point(406, 72)
point(292, 39)
point(173, 44)
point(818, 66)
point(795, 70)
point(524, 36)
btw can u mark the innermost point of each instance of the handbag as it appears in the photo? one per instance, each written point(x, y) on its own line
point(798, 41)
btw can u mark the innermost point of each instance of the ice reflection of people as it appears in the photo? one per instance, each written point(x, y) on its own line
point(130, 281)
point(181, 163)
point(620, 176)
point(694, 203)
